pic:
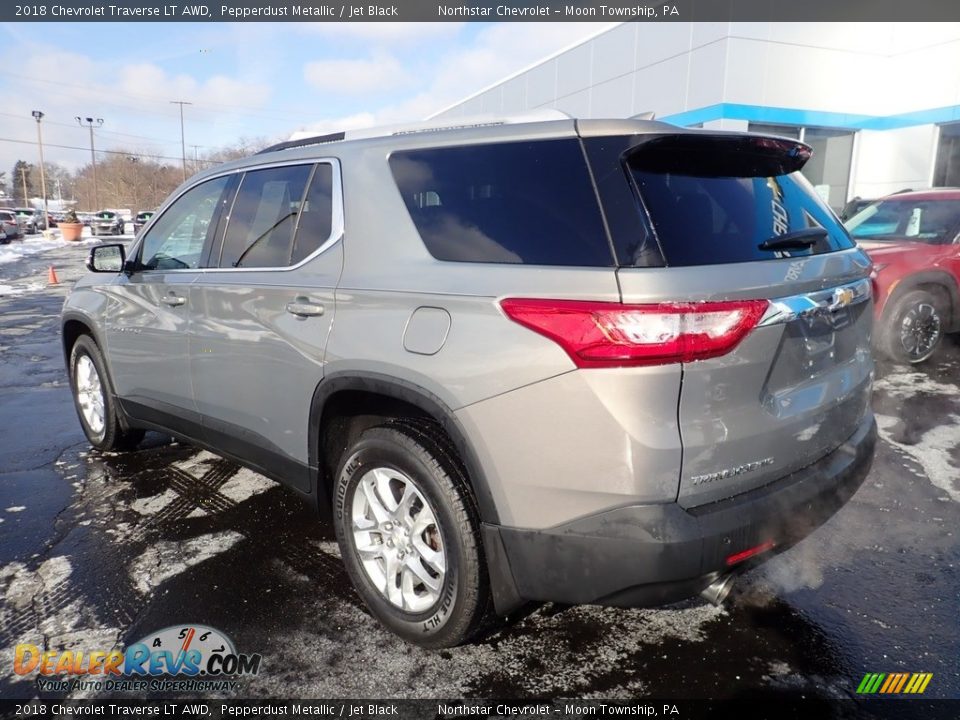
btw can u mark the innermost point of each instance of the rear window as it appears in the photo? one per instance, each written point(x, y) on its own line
point(717, 200)
point(525, 203)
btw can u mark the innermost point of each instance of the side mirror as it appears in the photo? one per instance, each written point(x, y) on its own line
point(107, 258)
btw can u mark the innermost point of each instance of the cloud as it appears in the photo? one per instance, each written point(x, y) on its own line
point(133, 98)
point(148, 81)
point(502, 50)
point(466, 66)
point(384, 33)
point(495, 53)
point(323, 127)
point(382, 73)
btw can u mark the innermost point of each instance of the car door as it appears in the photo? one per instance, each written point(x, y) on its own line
point(261, 315)
point(147, 322)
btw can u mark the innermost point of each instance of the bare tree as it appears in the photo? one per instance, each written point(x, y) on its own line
point(138, 180)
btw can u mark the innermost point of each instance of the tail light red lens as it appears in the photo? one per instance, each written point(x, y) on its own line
point(601, 334)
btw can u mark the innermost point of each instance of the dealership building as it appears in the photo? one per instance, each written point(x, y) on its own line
point(878, 102)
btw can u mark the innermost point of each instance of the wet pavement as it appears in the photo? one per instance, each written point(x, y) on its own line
point(99, 550)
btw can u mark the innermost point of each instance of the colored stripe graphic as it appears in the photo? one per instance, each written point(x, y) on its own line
point(894, 683)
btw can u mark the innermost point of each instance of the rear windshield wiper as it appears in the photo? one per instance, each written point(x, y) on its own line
point(794, 240)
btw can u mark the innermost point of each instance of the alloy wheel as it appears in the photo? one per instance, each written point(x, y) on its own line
point(90, 394)
point(398, 540)
point(920, 331)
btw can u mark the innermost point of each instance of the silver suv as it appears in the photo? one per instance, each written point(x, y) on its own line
point(610, 362)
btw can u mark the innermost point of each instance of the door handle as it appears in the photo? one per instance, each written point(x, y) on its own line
point(173, 300)
point(303, 308)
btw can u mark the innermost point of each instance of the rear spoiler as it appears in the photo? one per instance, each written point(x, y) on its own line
point(718, 155)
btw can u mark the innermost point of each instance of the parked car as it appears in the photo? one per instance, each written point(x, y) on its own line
point(858, 203)
point(87, 218)
point(107, 222)
point(854, 206)
point(140, 220)
point(10, 225)
point(31, 220)
point(598, 361)
point(912, 238)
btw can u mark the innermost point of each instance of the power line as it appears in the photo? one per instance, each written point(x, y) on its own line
point(280, 114)
point(153, 140)
point(102, 152)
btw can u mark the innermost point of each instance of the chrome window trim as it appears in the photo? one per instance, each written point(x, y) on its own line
point(820, 302)
point(336, 225)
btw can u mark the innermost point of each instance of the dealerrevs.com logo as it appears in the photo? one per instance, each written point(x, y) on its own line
point(180, 657)
point(894, 683)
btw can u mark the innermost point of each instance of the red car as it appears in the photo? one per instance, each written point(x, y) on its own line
point(912, 239)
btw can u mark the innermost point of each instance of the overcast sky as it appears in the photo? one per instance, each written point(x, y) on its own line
point(243, 79)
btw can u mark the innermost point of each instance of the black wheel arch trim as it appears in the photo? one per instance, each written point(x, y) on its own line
point(417, 396)
point(914, 281)
point(92, 330)
point(75, 316)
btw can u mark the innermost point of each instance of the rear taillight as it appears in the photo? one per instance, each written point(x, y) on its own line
point(602, 334)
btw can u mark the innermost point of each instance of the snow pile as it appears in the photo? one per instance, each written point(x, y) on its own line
point(19, 249)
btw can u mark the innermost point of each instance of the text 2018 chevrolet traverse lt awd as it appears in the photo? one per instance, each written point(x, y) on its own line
point(610, 362)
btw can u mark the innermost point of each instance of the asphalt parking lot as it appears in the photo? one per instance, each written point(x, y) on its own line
point(98, 550)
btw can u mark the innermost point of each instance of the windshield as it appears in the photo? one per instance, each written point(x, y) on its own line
point(906, 220)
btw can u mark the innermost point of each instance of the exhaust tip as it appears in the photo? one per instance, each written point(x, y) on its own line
point(717, 591)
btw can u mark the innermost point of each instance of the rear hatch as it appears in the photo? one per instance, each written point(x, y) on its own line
point(733, 235)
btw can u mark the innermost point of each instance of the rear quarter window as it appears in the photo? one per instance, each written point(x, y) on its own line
point(520, 203)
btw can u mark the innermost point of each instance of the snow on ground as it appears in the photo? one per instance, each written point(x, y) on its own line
point(155, 503)
point(19, 249)
point(907, 384)
point(167, 559)
point(933, 452)
point(245, 484)
point(8, 290)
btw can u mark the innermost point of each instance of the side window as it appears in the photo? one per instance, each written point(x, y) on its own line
point(176, 240)
point(523, 202)
point(316, 218)
point(264, 216)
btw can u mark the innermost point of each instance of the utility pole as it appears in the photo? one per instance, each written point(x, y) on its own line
point(23, 179)
point(196, 157)
point(43, 180)
point(183, 146)
point(90, 122)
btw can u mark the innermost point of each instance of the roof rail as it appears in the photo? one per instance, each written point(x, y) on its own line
point(303, 142)
point(303, 139)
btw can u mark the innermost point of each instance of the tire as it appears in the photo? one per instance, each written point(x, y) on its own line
point(913, 327)
point(94, 399)
point(440, 594)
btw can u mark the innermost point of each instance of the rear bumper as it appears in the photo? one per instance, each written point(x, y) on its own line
point(645, 555)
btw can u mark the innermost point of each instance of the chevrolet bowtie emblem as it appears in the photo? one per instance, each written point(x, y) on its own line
point(841, 298)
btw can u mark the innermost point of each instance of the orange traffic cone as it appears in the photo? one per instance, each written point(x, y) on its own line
point(52, 277)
